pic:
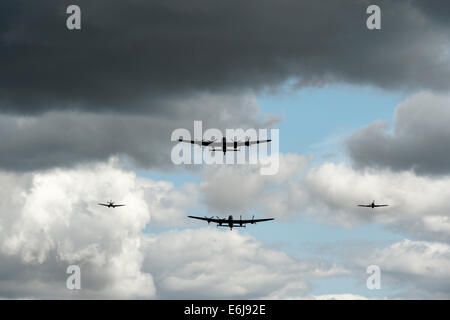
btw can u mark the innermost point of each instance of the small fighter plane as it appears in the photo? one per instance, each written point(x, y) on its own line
point(373, 205)
point(230, 222)
point(224, 145)
point(111, 204)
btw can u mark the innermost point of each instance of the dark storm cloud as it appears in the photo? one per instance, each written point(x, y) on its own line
point(131, 57)
point(437, 10)
point(420, 139)
point(64, 139)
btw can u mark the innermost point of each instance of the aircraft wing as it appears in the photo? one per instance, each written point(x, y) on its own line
point(365, 205)
point(102, 204)
point(208, 219)
point(249, 143)
point(200, 143)
point(381, 205)
point(118, 205)
point(252, 221)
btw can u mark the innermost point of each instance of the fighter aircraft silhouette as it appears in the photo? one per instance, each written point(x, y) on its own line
point(373, 205)
point(230, 222)
point(111, 204)
point(223, 145)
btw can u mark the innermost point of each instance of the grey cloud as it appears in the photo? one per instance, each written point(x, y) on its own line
point(412, 269)
point(65, 138)
point(229, 265)
point(437, 10)
point(419, 140)
point(273, 195)
point(131, 58)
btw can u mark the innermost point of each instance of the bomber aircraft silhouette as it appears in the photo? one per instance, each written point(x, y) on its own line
point(110, 204)
point(230, 222)
point(224, 145)
point(373, 205)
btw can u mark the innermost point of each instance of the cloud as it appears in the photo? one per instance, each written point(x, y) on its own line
point(50, 220)
point(67, 138)
point(329, 193)
point(326, 193)
point(168, 204)
point(212, 264)
point(418, 205)
point(419, 140)
point(436, 10)
point(420, 268)
point(133, 58)
point(243, 188)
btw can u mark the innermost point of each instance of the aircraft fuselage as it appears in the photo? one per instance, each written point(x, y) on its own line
point(230, 221)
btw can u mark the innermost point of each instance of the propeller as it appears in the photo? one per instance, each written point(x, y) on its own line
point(253, 218)
point(209, 221)
point(235, 142)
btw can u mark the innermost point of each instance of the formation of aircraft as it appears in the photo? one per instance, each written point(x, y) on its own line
point(223, 145)
point(110, 204)
point(230, 222)
point(234, 223)
point(373, 205)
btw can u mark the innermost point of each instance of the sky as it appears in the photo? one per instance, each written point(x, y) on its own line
point(88, 115)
